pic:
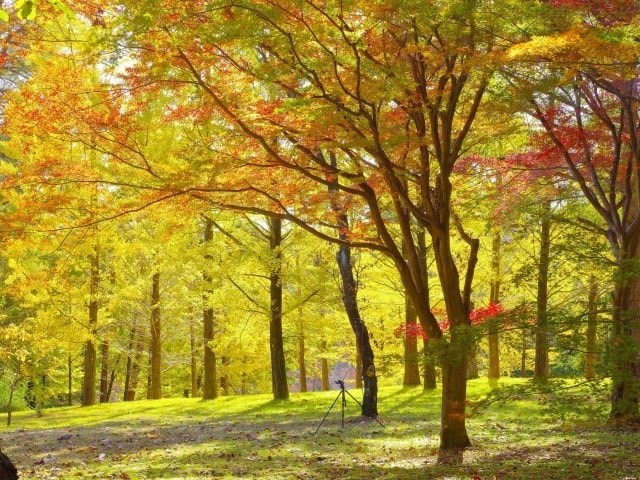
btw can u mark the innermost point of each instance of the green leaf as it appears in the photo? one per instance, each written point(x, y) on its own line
point(4, 16)
point(63, 7)
point(26, 10)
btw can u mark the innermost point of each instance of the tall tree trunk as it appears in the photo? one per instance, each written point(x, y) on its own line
point(194, 359)
point(278, 366)
point(69, 380)
point(104, 373)
point(523, 352)
point(410, 343)
point(358, 367)
point(411, 364)
point(225, 384)
point(429, 374)
point(155, 391)
point(364, 351)
point(302, 366)
point(541, 372)
point(453, 358)
point(112, 380)
point(349, 298)
point(210, 383)
point(625, 339)
point(494, 297)
point(134, 356)
point(429, 364)
point(591, 355)
point(324, 368)
point(90, 354)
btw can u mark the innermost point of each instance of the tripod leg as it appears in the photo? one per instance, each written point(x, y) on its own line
point(354, 398)
point(328, 411)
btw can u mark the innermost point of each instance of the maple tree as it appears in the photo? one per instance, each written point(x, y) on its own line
point(589, 114)
point(396, 94)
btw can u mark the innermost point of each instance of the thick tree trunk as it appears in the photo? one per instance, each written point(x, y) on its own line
point(104, 373)
point(278, 366)
point(210, 383)
point(429, 374)
point(591, 354)
point(494, 297)
point(541, 372)
point(453, 432)
point(625, 339)
point(90, 354)
point(453, 358)
point(155, 390)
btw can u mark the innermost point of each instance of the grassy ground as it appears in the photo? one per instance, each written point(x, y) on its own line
point(254, 437)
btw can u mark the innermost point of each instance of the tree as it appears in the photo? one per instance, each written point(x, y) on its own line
point(395, 92)
point(587, 107)
point(210, 383)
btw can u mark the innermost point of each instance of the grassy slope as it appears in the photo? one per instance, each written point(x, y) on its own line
point(254, 437)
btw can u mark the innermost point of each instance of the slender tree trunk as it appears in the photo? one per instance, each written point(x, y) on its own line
point(69, 381)
point(324, 368)
point(155, 391)
point(194, 359)
point(541, 372)
point(302, 366)
point(523, 353)
point(591, 355)
point(429, 363)
point(494, 297)
point(134, 356)
point(104, 373)
point(90, 354)
point(278, 367)
point(411, 364)
point(225, 384)
point(350, 300)
point(210, 383)
point(112, 380)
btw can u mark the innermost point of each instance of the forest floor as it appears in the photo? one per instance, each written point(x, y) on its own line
point(523, 436)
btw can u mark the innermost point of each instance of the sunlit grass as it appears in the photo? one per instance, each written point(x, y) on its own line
point(516, 435)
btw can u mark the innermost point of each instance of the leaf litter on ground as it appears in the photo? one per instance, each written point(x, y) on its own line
point(256, 438)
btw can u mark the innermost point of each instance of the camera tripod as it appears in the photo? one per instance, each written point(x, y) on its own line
point(342, 395)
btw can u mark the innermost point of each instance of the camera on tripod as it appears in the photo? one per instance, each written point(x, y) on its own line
point(341, 383)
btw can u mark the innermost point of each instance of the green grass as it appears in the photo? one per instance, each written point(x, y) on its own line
point(256, 437)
